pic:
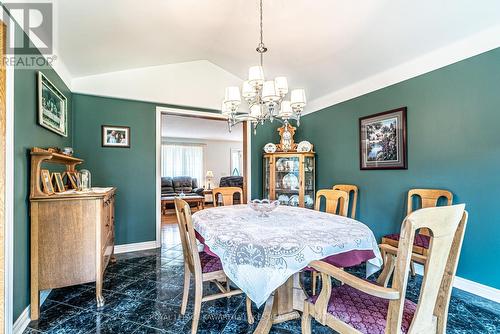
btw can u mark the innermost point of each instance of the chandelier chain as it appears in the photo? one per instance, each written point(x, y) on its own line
point(261, 48)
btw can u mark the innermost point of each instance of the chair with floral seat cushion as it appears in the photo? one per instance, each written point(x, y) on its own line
point(360, 306)
point(428, 198)
point(203, 266)
point(349, 188)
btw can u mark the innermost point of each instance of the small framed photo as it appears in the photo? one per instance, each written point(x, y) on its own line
point(73, 180)
point(46, 182)
point(52, 107)
point(115, 136)
point(382, 141)
point(58, 181)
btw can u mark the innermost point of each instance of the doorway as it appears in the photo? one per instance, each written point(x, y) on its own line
point(196, 153)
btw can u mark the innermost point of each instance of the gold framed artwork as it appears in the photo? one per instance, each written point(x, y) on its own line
point(73, 180)
point(58, 181)
point(46, 182)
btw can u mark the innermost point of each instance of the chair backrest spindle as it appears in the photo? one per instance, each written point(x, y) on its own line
point(349, 188)
point(187, 233)
point(336, 200)
point(428, 198)
point(227, 194)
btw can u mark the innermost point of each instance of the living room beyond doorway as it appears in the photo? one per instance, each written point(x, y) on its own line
point(198, 154)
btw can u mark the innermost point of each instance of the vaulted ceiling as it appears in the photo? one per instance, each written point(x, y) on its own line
point(321, 45)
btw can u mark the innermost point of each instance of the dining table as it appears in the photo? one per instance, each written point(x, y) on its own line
point(264, 255)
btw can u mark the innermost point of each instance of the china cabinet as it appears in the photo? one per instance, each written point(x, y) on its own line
point(289, 177)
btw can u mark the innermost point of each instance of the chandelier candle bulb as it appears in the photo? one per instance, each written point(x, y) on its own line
point(256, 76)
point(298, 98)
point(269, 92)
point(224, 109)
point(233, 95)
point(285, 111)
point(256, 110)
point(248, 91)
point(281, 85)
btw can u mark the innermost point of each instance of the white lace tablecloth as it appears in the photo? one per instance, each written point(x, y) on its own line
point(260, 254)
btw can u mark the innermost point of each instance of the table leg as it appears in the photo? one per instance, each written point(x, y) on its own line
point(283, 305)
point(266, 321)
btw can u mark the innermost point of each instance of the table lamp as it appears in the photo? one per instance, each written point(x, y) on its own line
point(209, 176)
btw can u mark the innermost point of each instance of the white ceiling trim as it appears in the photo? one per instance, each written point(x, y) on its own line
point(184, 112)
point(479, 43)
point(198, 84)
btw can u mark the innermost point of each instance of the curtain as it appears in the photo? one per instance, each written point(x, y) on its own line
point(182, 160)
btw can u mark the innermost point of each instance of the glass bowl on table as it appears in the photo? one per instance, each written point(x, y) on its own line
point(263, 207)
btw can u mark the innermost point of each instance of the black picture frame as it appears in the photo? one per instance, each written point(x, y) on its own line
point(106, 136)
point(52, 106)
point(379, 149)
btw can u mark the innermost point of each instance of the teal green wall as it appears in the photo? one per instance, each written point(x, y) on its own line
point(453, 143)
point(132, 170)
point(27, 133)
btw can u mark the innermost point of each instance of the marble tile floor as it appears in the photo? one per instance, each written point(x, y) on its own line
point(143, 292)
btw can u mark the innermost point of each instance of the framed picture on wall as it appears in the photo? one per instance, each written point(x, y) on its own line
point(115, 136)
point(52, 107)
point(382, 142)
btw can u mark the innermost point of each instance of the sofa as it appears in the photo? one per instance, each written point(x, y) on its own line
point(232, 181)
point(173, 186)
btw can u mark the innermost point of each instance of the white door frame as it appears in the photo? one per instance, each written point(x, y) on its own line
point(9, 195)
point(182, 112)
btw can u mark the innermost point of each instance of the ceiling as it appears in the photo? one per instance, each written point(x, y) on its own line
point(321, 45)
point(199, 128)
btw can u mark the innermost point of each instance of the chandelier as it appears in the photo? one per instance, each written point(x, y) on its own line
point(266, 99)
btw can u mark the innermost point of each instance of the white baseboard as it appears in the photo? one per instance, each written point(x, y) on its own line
point(139, 246)
point(24, 319)
point(475, 288)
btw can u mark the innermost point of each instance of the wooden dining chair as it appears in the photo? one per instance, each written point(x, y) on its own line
point(336, 202)
point(428, 198)
point(360, 306)
point(202, 265)
point(349, 188)
point(226, 195)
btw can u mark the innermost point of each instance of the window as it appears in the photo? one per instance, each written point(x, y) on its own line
point(236, 162)
point(182, 160)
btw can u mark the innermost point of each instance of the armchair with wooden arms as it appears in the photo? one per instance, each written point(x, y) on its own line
point(428, 198)
point(336, 202)
point(360, 306)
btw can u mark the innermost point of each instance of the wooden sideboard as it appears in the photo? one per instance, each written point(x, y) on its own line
point(72, 234)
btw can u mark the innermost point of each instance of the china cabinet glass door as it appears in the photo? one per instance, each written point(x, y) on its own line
point(309, 177)
point(267, 178)
point(287, 177)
